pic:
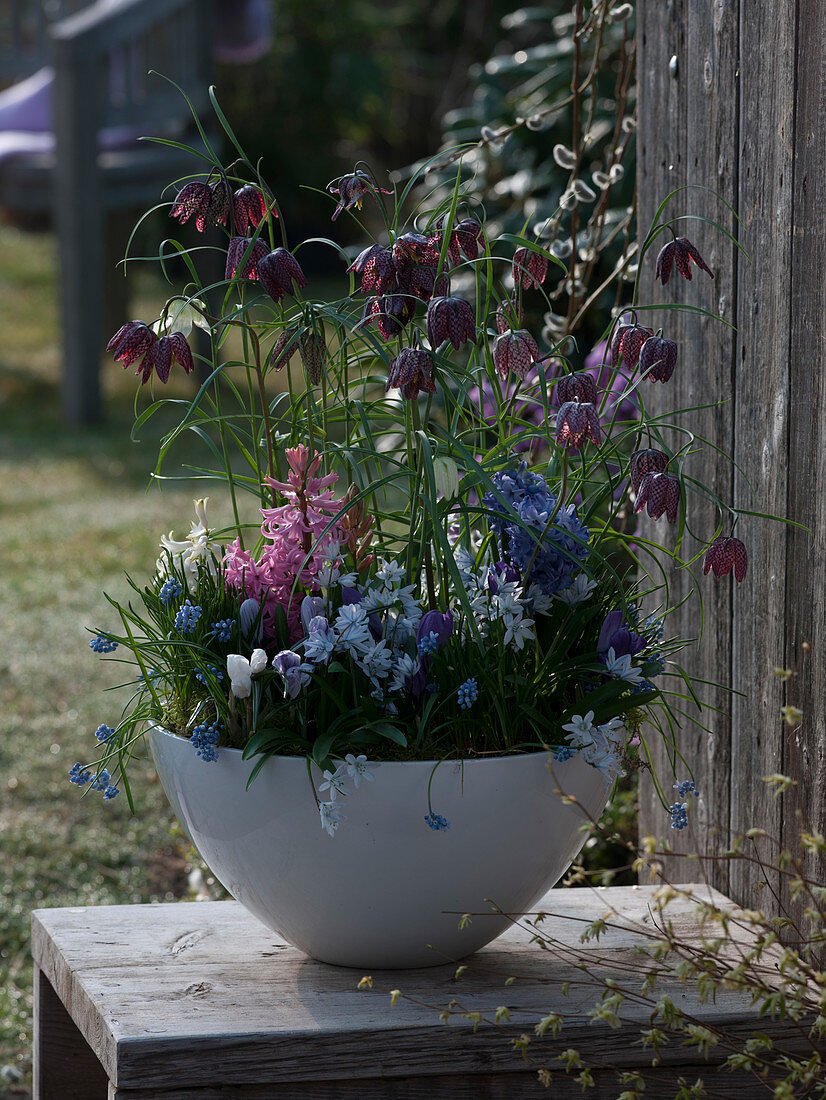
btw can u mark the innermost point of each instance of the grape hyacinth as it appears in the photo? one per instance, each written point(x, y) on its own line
point(187, 617)
point(468, 693)
point(170, 590)
point(79, 775)
point(436, 821)
point(222, 629)
point(104, 732)
point(205, 738)
point(101, 643)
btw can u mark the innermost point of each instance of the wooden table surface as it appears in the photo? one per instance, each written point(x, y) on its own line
point(200, 1000)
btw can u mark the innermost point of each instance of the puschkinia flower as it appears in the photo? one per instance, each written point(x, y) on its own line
point(295, 672)
point(405, 670)
point(600, 746)
point(576, 592)
point(334, 782)
point(621, 667)
point(102, 643)
point(241, 670)
point(358, 768)
point(320, 641)
point(197, 551)
point(437, 822)
point(331, 816)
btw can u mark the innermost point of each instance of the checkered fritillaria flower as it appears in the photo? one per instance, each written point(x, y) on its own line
point(529, 268)
point(509, 315)
point(644, 462)
point(411, 372)
point(577, 387)
point(193, 200)
point(681, 252)
point(659, 493)
point(279, 273)
point(249, 208)
point(136, 341)
point(377, 269)
point(627, 344)
point(450, 319)
point(723, 555)
point(515, 352)
point(130, 342)
point(416, 248)
point(453, 255)
point(312, 347)
point(658, 358)
point(576, 422)
point(420, 281)
point(470, 237)
point(391, 311)
point(352, 189)
point(235, 254)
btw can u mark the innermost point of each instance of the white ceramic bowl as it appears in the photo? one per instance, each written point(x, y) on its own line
point(386, 890)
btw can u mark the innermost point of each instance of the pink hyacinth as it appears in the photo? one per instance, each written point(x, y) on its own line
point(292, 530)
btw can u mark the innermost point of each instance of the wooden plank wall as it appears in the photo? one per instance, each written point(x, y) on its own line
point(739, 110)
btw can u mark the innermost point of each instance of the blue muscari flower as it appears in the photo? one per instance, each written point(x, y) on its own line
point(101, 781)
point(222, 629)
point(201, 676)
point(428, 646)
point(79, 775)
point(654, 628)
point(642, 686)
point(170, 590)
point(205, 738)
point(468, 693)
point(104, 732)
point(686, 788)
point(561, 551)
point(110, 793)
point(436, 821)
point(187, 617)
point(563, 753)
point(658, 661)
point(102, 644)
point(679, 816)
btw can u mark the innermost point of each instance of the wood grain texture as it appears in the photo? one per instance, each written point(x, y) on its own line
point(201, 996)
point(743, 117)
point(65, 1066)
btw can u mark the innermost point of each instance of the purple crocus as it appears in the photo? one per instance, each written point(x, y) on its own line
point(501, 573)
point(296, 674)
point(438, 623)
point(616, 635)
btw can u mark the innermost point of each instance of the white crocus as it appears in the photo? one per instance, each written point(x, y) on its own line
point(193, 552)
point(240, 671)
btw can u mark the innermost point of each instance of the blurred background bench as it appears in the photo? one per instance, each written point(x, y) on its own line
point(79, 95)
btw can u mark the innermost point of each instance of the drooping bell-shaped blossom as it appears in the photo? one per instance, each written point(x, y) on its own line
point(391, 312)
point(576, 422)
point(420, 280)
point(235, 254)
point(131, 342)
point(658, 358)
point(415, 248)
point(161, 353)
point(627, 344)
point(452, 253)
point(515, 353)
point(577, 387)
point(312, 348)
point(249, 208)
point(279, 273)
point(646, 461)
point(680, 252)
point(411, 372)
point(193, 200)
point(377, 268)
point(470, 236)
point(723, 555)
point(616, 634)
point(352, 190)
point(450, 319)
point(529, 268)
point(659, 493)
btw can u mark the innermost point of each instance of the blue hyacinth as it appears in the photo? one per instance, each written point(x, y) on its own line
point(562, 548)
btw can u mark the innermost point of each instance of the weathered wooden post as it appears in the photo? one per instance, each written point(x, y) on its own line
point(731, 98)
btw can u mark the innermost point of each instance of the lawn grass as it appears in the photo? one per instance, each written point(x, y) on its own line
point(76, 515)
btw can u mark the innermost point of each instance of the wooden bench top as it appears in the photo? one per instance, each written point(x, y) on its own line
point(199, 999)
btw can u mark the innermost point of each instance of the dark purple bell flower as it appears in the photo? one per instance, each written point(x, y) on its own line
point(278, 271)
point(193, 200)
point(680, 252)
point(529, 268)
point(576, 422)
point(377, 268)
point(658, 357)
point(450, 319)
point(470, 236)
point(439, 623)
point(411, 372)
point(725, 554)
point(515, 353)
point(235, 254)
point(353, 189)
point(131, 342)
point(249, 208)
point(627, 344)
point(661, 493)
point(645, 462)
point(453, 255)
point(415, 248)
point(616, 635)
point(159, 356)
point(577, 387)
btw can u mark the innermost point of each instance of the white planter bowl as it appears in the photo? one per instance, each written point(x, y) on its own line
point(386, 890)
